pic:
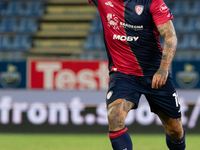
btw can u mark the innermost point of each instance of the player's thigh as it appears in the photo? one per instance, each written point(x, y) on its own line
point(122, 86)
point(117, 112)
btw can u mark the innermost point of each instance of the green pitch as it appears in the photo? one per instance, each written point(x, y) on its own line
point(85, 142)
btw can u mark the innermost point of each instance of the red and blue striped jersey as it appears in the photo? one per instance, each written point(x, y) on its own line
point(130, 33)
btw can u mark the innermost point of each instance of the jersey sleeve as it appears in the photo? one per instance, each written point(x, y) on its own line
point(95, 2)
point(160, 12)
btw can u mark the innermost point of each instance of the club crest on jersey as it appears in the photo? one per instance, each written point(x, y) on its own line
point(109, 95)
point(139, 9)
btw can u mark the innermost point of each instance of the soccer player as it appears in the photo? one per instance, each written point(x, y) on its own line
point(138, 65)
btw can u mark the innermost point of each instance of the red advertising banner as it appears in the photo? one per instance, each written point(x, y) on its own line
point(61, 74)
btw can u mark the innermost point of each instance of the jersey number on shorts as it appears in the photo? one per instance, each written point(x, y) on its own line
point(176, 99)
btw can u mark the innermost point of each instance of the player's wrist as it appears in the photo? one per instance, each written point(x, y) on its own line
point(164, 65)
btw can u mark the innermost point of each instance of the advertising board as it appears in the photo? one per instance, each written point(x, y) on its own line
point(13, 74)
point(72, 112)
point(58, 74)
point(186, 74)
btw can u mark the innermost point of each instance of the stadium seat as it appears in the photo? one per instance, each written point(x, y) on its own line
point(22, 42)
point(197, 57)
point(34, 9)
point(88, 56)
point(195, 8)
point(9, 25)
point(89, 45)
point(180, 41)
point(94, 42)
point(179, 23)
point(5, 42)
point(183, 56)
point(181, 7)
point(193, 24)
point(190, 41)
point(96, 25)
point(15, 9)
point(103, 56)
point(169, 4)
point(2, 9)
point(28, 25)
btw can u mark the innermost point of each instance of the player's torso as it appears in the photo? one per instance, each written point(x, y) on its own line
point(129, 33)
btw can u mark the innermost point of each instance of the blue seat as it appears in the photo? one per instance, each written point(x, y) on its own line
point(183, 56)
point(193, 24)
point(103, 56)
point(89, 45)
point(197, 57)
point(169, 4)
point(2, 9)
point(28, 25)
point(96, 25)
point(22, 42)
point(5, 42)
point(181, 7)
point(35, 9)
point(190, 41)
point(180, 42)
point(15, 9)
point(179, 24)
point(195, 8)
point(94, 42)
point(9, 25)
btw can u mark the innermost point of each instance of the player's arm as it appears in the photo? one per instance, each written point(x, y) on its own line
point(168, 32)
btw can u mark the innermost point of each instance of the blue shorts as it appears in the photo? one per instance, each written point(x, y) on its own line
point(130, 87)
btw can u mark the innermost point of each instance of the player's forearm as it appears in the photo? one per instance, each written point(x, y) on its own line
point(170, 43)
point(169, 50)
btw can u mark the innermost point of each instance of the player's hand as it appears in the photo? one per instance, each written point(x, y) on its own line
point(159, 78)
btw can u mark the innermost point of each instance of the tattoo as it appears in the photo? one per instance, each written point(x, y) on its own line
point(178, 120)
point(162, 72)
point(127, 105)
point(168, 32)
point(117, 112)
point(164, 57)
point(164, 118)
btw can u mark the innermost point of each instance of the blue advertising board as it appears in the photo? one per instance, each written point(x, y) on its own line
point(13, 74)
point(186, 74)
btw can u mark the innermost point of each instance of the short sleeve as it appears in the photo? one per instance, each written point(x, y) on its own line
point(95, 2)
point(160, 12)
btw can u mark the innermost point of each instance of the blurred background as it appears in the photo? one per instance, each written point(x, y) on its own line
point(53, 68)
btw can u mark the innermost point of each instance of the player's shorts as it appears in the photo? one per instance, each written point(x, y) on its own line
point(130, 87)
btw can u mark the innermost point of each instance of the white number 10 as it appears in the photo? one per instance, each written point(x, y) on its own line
point(176, 99)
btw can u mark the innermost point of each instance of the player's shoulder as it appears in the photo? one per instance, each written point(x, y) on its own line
point(158, 4)
point(157, 1)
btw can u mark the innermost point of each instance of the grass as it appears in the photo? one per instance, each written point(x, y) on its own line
point(86, 142)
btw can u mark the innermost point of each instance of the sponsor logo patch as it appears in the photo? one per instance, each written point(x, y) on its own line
point(109, 3)
point(163, 8)
point(125, 38)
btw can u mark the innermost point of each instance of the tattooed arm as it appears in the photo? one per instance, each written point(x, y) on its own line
point(168, 32)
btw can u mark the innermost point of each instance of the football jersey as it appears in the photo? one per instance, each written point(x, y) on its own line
point(130, 34)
